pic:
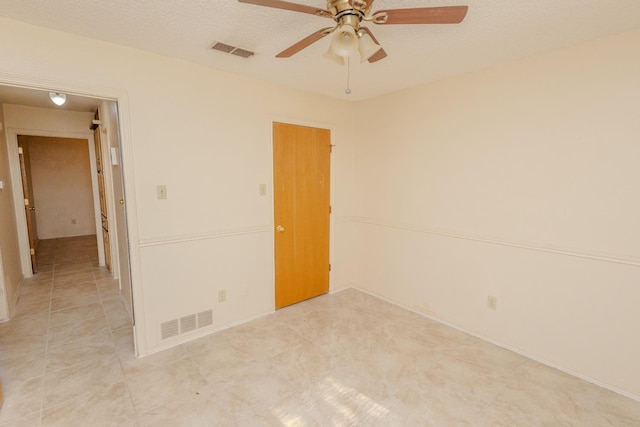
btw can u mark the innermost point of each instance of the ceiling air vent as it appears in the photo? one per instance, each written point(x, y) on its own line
point(242, 53)
point(223, 47)
point(233, 50)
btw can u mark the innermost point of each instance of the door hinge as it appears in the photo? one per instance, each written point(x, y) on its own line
point(32, 251)
point(330, 210)
point(331, 147)
point(20, 150)
point(26, 202)
point(329, 267)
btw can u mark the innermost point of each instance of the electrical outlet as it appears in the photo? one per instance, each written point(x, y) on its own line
point(222, 295)
point(162, 192)
point(492, 302)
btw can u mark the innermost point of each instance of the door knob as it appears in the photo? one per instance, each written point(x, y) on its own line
point(280, 228)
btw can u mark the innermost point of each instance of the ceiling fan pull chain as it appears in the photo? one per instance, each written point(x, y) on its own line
point(348, 89)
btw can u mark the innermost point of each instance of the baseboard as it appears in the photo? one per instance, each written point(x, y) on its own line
point(337, 291)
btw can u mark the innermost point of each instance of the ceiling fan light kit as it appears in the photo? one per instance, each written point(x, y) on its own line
point(331, 55)
point(367, 47)
point(345, 41)
point(350, 36)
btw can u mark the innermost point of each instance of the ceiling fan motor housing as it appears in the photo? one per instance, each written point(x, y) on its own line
point(346, 12)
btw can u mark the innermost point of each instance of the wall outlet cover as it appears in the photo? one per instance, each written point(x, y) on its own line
point(161, 191)
point(492, 302)
point(222, 295)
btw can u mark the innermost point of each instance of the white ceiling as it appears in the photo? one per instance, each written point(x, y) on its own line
point(494, 31)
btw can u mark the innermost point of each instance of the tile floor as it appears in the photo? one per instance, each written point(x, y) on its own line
point(345, 359)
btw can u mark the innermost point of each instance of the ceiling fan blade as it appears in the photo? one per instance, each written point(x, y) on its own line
point(425, 15)
point(279, 4)
point(292, 50)
point(381, 54)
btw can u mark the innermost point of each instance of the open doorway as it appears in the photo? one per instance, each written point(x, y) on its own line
point(76, 246)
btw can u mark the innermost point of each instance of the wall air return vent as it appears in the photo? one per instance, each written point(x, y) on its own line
point(205, 318)
point(186, 324)
point(169, 329)
point(233, 50)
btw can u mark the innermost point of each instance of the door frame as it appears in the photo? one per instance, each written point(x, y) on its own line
point(4, 304)
point(333, 141)
point(18, 190)
point(121, 97)
point(29, 194)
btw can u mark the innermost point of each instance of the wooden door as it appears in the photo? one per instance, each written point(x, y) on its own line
point(301, 157)
point(29, 204)
point(103, 198)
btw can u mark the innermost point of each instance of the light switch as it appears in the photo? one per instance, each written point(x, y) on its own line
point(162, 192)
point(114, 156)
point(1, 185)
point(263, 189)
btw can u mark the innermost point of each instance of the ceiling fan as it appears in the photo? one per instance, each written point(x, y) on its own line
point(349, 35)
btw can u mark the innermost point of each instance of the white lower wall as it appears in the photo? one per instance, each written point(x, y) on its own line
point(576, 313)
point(183, 278)
point(343, 237)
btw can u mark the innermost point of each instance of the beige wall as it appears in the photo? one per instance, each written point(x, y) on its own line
point(9, 252)
point(519, 181)
point(61, 174)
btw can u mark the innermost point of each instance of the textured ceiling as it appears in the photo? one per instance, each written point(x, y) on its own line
point(494, 31)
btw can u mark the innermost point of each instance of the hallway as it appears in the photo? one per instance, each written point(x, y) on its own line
point(69, 328)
